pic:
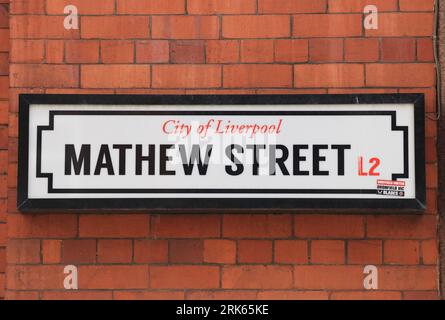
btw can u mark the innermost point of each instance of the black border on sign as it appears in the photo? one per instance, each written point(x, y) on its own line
point(182, 204)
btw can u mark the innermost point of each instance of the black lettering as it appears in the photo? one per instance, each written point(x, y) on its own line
point(164, 159)
point(298, 159)
point(104, 161)
point(84, 159)
point(317, 158)
point(239, 167)
point(122, 156)
point(195, 156)
point(141, 158)
point(341, 156)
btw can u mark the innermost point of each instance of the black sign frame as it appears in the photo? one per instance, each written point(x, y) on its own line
point(416, 205)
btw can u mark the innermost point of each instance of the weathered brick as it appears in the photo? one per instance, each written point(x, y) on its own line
point(46, 76)
point(79, 251)
point(291, 251)
point(115, 76)
point(255, 251)
point(150, 251)
point(259, 26)
point(221, 6)
point(257, 51)
point(219, 251)
point(185, 27)
point(403, 25)
point(135, 7)
point(184, 277)
point(114, 251)
point(332, 25)
point(329, 226)
point(401, 226)
point(152, 51)
point(187, 51)
point(257, 226)
point(186, 76)
point(400, 75)
point(327, 252)
point(291, 6)
point(222, 51)
point(329, 75)
point(82, 51)
point(401, 252)
point(85, 7)
point(115, 27)
point(186, 226)
point(186, 251)
point(257, 277)
point(111, 277)
point(257, 76)
point(114, 226)
point(117, 51)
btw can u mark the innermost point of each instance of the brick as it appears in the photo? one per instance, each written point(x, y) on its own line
point(186, 251)
point(219, 251)
point(421, 295)
point(117, 51)
point(27, 7)
point(115, 27)
point(365, 251)
point(291, 252)
point(46, 76)
point(151, 251)
point(4, 44)
point(291, 50)
point(82, 51)
point(187, 51)
point(40, 27)
point(425, 51)
point(327, 252)
point(407, 278)
point(222, 51)
point(55, 51)
point(51, 251)
point(257, 76)
point(112, 277)
point(136, 7)
point(366, 295)
point(222, 295)
point(416, 5)
point(2, 260)
point(410, 227)
point(400, 75)
point(3, 145)
point(401, 252)
point(184, 277)
point(77, 295)
point(32, 277)
point(186, 226)
point(332, 25)
point(4, 112)
point(28, 51)
point(291, 6)
point(79, 251)
point(115, 76)
point(152, 51)
point(22, 295)
point(2, 286)
point(4, 64)
point(432, 176)
point(333, 277)
point(431, 202)
point(4, 163)
point(398, 49)
point(257, 277)
point(221, 6)
point(429, 249)
point(326, 50)
point(185, 27)
point(186, 76)
point(23, 251)
point(148, 295)
point(329, 75)
point(329, 226)
point(250, 26)
point(293, 295)
point(403, 25)
point(257, 226)
point(359, 5)
point(257, 51)
point(85, 7)
point(114, 226)
point(115, 251)
point(254, 251)
point(361, 50)
point(42, 226)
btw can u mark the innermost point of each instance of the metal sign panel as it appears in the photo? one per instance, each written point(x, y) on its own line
point(221, 152)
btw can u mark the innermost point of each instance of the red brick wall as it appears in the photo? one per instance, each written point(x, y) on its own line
point(219, 46)
point(4, 115)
